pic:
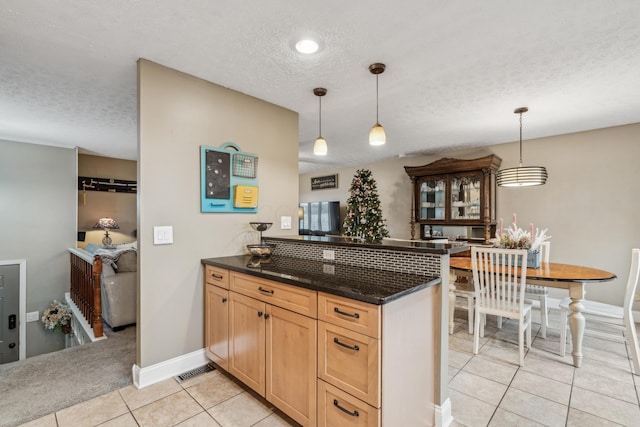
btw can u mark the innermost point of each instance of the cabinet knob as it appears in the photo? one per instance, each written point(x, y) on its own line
point(224, 299)
point(266, 316)
point(259, 314)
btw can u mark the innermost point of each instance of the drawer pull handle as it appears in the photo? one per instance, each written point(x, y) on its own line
point(217, 276)
point(266, 291)
point(224, 299)
point(346, 411)
point(354, 315)
point(354, 348)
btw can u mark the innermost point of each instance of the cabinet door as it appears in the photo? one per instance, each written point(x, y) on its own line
point(466, 190)
point(432, 198)
point(247, 341)
point(217, 325)
point(291, 364)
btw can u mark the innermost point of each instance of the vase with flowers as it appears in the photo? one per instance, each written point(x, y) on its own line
point(57, 317)
point(515, 237)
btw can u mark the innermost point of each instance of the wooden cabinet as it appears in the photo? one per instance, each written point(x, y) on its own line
point(216, 326)
point(376, 363)
point(327, 360)
point(452, 192)
point(291, 364)
point(272, 342)
point(247, 341)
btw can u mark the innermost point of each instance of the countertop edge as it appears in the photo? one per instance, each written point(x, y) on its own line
point(305, 283)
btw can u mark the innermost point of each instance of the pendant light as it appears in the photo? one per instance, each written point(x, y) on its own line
point(376, 134)
point(320, 146)
point(522, 176)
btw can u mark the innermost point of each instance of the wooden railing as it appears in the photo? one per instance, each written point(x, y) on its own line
point(85, 290)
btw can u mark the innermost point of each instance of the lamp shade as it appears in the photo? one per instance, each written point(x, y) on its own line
point(320, 147)
point(377, 135)
point(107, 223)
point(522, 176)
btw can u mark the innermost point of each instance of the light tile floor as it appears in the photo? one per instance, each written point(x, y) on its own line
point(487, 389)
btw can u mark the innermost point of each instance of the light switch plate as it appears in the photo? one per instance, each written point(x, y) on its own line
point(285, 223)
point(33, 316)
point(163, 235)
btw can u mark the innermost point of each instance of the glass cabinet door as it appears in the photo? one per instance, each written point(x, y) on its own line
point(432, 198)
point(465, 197)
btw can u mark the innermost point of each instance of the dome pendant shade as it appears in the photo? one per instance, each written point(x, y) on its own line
point(377, 135)
point(320, 146)
point(522, 176)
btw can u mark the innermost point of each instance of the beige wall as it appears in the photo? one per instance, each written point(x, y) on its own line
point(38, 217)
point(99, 204)
point(589, 203)
point(178, 114)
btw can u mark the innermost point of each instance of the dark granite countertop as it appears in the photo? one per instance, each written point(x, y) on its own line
point(362, 284)
point(423, 246)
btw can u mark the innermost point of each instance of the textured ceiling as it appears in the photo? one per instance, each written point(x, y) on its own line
point(455, 69)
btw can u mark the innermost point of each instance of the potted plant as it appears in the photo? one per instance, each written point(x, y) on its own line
point(57, 317)
point(515, 237)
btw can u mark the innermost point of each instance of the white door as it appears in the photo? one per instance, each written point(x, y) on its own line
point(9, 315)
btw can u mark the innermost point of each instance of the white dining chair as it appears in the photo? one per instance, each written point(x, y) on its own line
point(620, 318)
point(538, 294)
point(500, 292)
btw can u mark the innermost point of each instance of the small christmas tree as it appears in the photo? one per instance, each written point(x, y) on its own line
point(364, 217)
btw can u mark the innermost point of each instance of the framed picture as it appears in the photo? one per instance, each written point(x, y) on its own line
point(324, 182)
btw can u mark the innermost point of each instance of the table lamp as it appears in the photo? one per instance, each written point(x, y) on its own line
point(106, 224)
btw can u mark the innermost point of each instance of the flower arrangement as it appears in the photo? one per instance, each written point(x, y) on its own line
point(57, 317)
point(517, 238)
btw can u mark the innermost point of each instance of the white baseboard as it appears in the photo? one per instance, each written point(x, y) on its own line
point(443, 414)
point(79, 322)
point(143, 377)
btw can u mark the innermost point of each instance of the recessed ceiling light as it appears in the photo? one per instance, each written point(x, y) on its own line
point(307, 46)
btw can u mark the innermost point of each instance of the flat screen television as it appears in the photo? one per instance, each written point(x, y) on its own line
point(320, 218)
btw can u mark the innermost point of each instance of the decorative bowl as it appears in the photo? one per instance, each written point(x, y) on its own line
point(261, 250)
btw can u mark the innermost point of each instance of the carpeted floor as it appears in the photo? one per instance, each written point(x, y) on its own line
point(47, 383)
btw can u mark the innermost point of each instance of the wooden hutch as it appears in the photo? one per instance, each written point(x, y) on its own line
point(453, 192)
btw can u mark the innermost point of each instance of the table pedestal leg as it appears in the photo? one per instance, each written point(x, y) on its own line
point(576, 322)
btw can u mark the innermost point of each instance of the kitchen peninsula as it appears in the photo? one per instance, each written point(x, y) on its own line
point(357, 339)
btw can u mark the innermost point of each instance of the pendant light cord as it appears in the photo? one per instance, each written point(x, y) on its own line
point(377, 121)
point(320, 120)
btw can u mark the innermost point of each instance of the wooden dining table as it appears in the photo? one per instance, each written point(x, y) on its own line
point(554, 275)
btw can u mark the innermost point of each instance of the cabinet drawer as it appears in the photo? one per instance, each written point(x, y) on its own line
point(337, 408)
point(350, 361)
point(299, 300)
point(355, 315)
point(216, 276)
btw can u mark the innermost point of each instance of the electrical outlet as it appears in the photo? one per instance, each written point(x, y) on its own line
point(329, 268)
point(33, 316)
point(328, 254)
